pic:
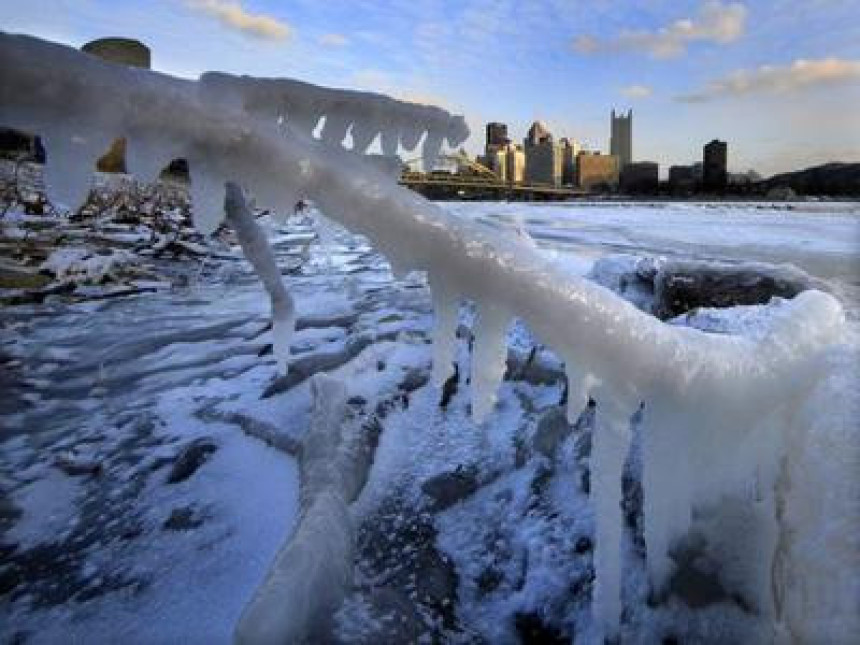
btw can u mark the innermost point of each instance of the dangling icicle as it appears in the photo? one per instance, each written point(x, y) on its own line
point(610, 443)
point(488, 358)
point(446, 309)
point(256, 248)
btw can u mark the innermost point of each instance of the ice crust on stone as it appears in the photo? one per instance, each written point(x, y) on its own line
point(710, 400)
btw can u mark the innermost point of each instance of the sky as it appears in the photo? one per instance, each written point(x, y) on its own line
point(779, 80)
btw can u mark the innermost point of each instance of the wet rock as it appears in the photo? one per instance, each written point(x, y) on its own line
point(357, 400)
point(447, 489)
point(190, 458)
point(413, 380)
point(183, 519)
point(681, 286)
point(552, 429)
point(113, 161)
point(75, 465)
point(532, 629)
point(583, 545)
point(489, 580)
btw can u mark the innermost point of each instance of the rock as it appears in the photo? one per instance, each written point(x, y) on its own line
point(489, 580)
point(74, 464)
point(552, 429)
point(531, 628)
point(356, 400)
point(436, 582)
point(183, 519)
point(190, 458)
point(583, 545)
point(681, 286)
point(447, 489)
point(413, 380)
point(113, 161)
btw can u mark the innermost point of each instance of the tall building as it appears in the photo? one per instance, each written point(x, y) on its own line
point(621, 138)
point(640, 178)
point(569, 150)
point(497, 134)
point(516, 164)
point(595, 171)
point(714, 165)
point(543, 156)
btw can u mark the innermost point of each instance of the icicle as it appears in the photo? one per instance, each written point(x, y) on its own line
point(446, 309)
point(488, 358)
point(207, 200)
point(666, 485)
point(579, 387)
point(410, 135)
point(430, 150)
point(457, 132)
point(610, 443)
point(70, 165)
point(256, 248)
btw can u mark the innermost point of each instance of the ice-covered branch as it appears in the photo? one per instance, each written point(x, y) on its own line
point(256, 248)
point(705, 394)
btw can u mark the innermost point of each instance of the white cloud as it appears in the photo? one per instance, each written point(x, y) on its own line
point(233, 15)
point(715, 23)
point(637, 91)
point(333, 40)
point(801, 74)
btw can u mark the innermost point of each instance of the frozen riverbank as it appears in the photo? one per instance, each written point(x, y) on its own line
point(131, 382)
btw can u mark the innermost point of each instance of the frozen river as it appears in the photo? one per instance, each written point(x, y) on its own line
point(822, 238)
point(129, 383)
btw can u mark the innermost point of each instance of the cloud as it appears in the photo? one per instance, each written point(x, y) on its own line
point(715, 23)
point(801, 74)
point(233, 15)
point(333, 40)
point(637, 91)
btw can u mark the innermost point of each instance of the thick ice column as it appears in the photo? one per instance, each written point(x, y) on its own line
point(610, 443)
point(488, 358)
point(446, 308)
point(256, 248)
point(313, 570)
point(666, 485)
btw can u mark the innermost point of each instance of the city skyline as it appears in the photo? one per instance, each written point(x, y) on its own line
point(775, 79)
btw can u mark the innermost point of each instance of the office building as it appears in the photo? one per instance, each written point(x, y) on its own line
point(569, 150)
point(714, 166)
point(543, 156)
point(497, 134)
point(621, 138)
point(640, 178)
point(595, 171)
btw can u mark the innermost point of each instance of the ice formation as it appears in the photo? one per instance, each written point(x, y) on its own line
point(711, 400)
point(256, 248)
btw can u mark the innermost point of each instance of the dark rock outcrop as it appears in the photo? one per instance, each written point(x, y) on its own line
point(190, 459)
point(447, 489)
point(681, 286)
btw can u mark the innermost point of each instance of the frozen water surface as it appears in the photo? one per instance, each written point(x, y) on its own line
point(128, 383)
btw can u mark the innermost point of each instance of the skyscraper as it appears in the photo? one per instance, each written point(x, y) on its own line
point(714, 163)
point(497, 134)
point(621, 138)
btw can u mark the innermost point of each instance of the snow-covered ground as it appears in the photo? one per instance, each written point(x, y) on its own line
point(102, 399)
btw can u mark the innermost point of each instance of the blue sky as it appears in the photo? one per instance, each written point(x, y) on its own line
point(778, 79)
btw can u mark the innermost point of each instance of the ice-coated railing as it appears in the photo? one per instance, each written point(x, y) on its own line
point(709, 398)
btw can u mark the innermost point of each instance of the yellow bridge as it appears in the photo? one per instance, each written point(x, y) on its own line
point(472, 180)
